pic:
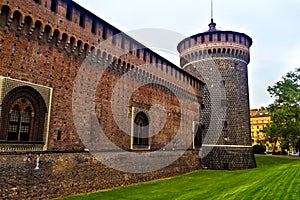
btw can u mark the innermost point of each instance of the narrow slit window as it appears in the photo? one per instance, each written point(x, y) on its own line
point(69, 12)
point(54, 5)
point(82, 19)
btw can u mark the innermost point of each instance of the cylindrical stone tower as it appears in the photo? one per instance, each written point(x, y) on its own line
point(220, 59)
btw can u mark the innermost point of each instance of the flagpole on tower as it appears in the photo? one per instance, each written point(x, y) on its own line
point(212, 10)
point(212, 25)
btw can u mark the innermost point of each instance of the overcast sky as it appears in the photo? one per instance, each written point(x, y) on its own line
point(272, 24)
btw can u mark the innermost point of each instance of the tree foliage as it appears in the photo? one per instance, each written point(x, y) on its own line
point(285, 125)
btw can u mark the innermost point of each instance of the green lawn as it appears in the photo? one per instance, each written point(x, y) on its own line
point(275, 178)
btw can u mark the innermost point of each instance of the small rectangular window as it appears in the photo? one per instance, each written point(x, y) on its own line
point(202, 106)
point(59, 135)
point(225, 124)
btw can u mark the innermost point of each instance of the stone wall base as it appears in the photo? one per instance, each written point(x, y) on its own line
point(62, 174)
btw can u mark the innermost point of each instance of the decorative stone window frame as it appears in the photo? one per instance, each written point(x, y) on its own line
point(135, 111)
point(13, 89)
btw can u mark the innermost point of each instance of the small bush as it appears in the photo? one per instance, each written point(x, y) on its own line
point(259, 149)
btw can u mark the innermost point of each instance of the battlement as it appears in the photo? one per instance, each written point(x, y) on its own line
point(215, 44)
point(66, 25)
point(215, 37)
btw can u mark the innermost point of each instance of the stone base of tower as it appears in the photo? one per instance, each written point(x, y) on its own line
point(228, 157)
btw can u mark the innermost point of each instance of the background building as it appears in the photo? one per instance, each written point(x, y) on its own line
point(259, 119)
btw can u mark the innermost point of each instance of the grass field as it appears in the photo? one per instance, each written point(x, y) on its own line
point(275, 178)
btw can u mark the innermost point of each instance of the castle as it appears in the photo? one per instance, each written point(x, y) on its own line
point(80, 103)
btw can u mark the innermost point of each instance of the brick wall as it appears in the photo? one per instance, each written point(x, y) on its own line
point(39, 45)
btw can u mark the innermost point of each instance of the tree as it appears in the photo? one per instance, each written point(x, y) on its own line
point(285, 111)
point(262, 108)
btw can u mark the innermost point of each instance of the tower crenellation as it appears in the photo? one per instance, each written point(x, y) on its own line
point(215, 43)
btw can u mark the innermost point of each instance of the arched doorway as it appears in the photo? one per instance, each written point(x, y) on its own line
point(141, 131)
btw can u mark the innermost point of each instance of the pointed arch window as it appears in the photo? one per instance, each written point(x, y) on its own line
point(141, 130)
point(20, 120)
